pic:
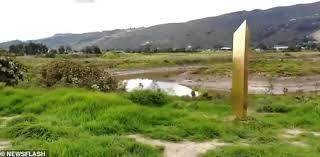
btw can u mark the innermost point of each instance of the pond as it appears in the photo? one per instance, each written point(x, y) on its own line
point(171, 88)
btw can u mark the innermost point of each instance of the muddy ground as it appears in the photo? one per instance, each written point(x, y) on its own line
point(257, 84)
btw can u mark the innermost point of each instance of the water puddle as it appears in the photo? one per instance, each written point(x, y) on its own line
point(171, 88)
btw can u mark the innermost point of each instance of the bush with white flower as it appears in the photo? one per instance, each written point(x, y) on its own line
point(10, 71)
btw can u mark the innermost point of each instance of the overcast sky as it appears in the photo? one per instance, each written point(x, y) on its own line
point(33, 19)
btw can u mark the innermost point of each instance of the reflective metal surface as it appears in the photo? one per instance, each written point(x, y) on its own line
point(241, 48)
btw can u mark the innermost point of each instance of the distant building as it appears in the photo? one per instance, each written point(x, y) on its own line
point(258, 50)
point(76, 52)
point(281, 48)
point(189, 48)
point(226, 49)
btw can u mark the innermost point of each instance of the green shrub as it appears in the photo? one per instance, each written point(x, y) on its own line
point(201, 131)
point(50, 55)
point(114, 55)
point(10, 71)
point(149, 97)
point(29, 118)
point(36, 131)
point(274, 108)
point(76, 74)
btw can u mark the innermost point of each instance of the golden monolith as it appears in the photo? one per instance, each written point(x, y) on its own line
point(241, 48)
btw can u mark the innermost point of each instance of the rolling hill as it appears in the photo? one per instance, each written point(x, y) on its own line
point(275, 26)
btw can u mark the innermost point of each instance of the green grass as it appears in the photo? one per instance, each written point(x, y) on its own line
point(282, 148)
point(269, 67)
point(2, 122)
point(77, 122)
point(87, 146)
point(134, 60)
point(215, 63)
point(271, 150)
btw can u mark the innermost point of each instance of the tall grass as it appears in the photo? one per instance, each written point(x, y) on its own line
point(278, 150)
point(76, 122)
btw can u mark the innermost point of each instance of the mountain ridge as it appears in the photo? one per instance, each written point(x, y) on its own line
point(280, 25)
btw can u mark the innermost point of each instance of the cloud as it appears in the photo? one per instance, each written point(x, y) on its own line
point(85, 1)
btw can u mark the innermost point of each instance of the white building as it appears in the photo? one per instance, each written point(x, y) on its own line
point(226, 49)
point(281, 48)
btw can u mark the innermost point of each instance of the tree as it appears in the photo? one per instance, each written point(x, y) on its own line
point(87, 50)
point(262, 46)
point(313, 46)
point(146, 47)
point(29, 48)
point(96, 50)
point(41, 49)
point(61, 49)
point(91, 50)
point(13, 49)
point(34, 48)
point(318, 47)
point(51, 54)
point(16, 49)
point(53, 51)
point(68, 49)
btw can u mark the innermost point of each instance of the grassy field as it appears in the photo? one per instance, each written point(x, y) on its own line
point(78, 122)
point(215, 63)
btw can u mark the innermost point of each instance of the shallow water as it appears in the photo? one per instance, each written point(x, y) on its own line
point(171, 88)
point(257, 84)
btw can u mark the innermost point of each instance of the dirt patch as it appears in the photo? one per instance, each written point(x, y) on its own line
point(183, 149)
point(292, 133)
point(5, 120)
point(9, 118)
point(257, 84)
point(290, 136)
point(299, 144)
point(4, 144)
point(315, 133)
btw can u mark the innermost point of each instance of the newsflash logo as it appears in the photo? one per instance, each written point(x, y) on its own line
point(24, 153)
